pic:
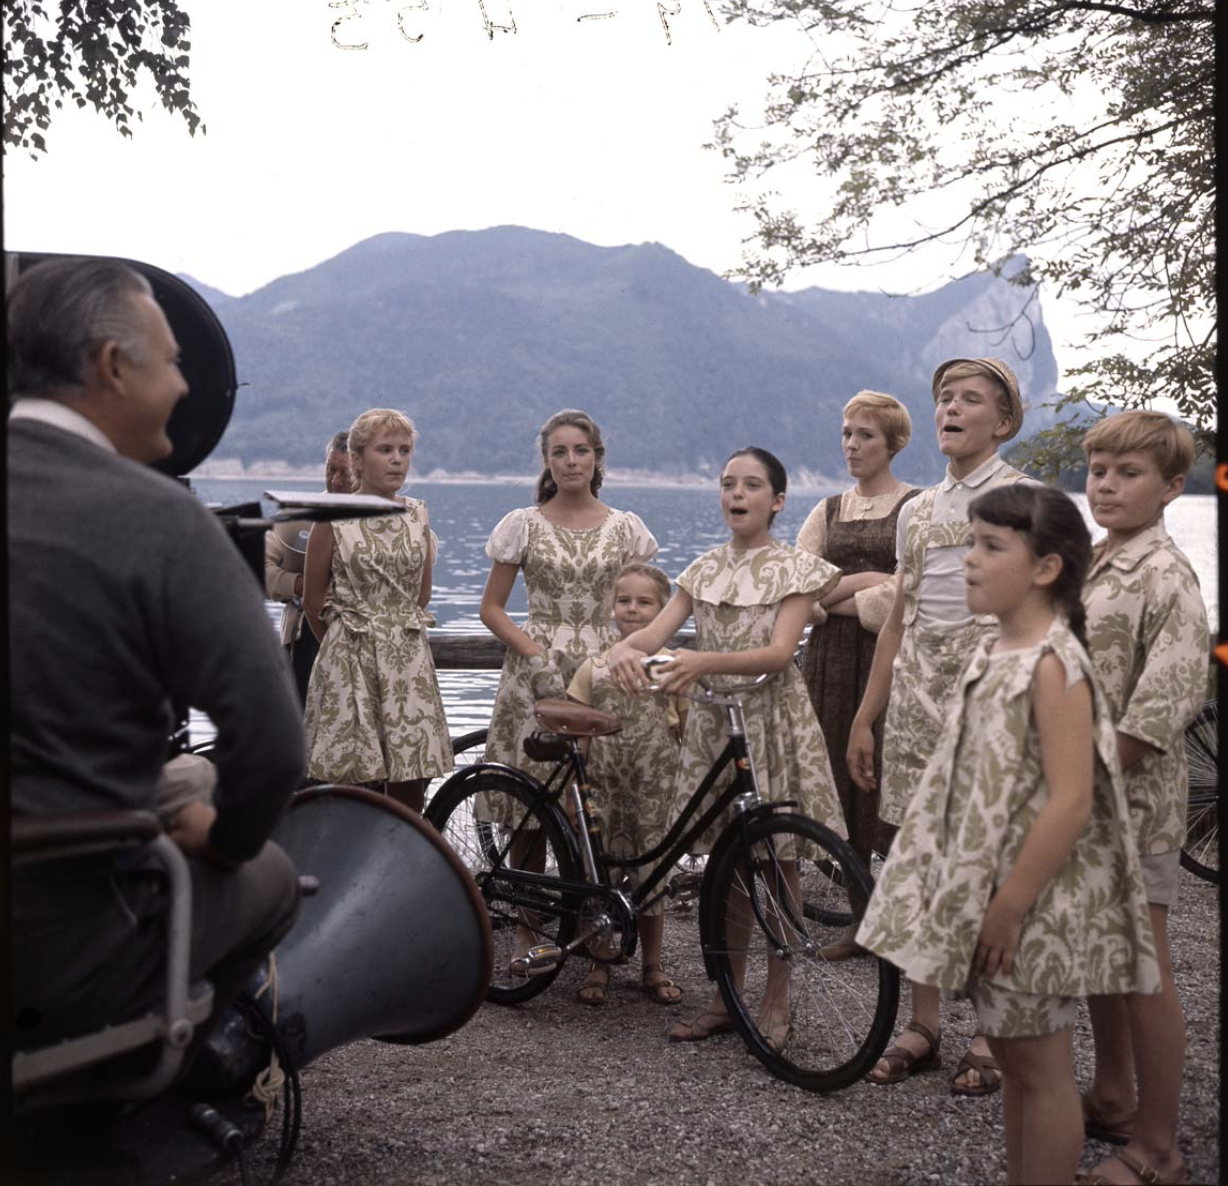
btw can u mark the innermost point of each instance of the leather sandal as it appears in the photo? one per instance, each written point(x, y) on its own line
point(663, 991)
point(908, 1062)
point(706, 1025)
point(1148, 1175)
point(986, 1067)
point(1099, 1127)
point(596, 986)
point(776, 1034)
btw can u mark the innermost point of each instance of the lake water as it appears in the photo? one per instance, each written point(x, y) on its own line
point(686, 521)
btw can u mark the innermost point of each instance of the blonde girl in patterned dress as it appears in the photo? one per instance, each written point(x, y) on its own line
point(1014, 878)
point(633, 772)
point(569, 547)
point(751, 599)
point(374, 713)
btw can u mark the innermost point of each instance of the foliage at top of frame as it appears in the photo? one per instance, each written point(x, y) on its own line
point(90, 52)
point(1110, 193)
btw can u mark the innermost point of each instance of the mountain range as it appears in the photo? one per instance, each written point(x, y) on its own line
point(480, 335)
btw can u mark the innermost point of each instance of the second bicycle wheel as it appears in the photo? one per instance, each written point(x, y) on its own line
point(515, 847)
point(839, 1014)
point(1200, 853)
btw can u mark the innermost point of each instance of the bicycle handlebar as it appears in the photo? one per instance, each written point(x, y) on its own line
point(710, 694)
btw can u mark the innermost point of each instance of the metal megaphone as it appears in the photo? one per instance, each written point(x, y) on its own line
point(395, 945)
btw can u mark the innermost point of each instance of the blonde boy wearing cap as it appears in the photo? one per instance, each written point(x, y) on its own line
point(924, 643)
point(1148, 640)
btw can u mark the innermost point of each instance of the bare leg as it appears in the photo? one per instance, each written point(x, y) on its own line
point(1112, 1092)
point(774, 1009)
point(1044, 1130)
point(652, 933)
point(528, 852)
point(1157, 1034)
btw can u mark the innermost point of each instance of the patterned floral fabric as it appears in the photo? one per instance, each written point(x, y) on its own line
point(1089, 930)
point(927, 665)
point(924, 678)
point(632, 773)
point(373, 706)
point(569, 576)
point(737, 595)
point(1147, 635)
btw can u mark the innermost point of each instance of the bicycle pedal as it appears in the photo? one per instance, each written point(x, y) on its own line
point(537, 960)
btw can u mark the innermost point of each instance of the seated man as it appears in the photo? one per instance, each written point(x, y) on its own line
point(126, 595)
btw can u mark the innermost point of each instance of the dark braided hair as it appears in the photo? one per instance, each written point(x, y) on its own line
point(1053, 526)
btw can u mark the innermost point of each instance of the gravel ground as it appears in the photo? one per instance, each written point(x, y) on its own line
point(554, 1091)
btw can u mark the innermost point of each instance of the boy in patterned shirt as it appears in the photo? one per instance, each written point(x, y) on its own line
point(1148, 641)
point(923, 646)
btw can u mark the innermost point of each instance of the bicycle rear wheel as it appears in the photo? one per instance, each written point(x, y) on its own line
point(467, 750)
point(500, 828)
point(1200, 853)
point(841, 1014)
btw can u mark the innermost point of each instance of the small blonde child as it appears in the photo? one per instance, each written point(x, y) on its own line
point(633, 772)
point(1147, 627)
point(1014, 878)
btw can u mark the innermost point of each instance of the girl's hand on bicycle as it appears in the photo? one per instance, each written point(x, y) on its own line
point(624, 666)
point(680, 674)
point(998, 940)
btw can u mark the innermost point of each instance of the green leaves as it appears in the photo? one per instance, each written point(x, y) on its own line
point(1077, 133)
point(93, 52)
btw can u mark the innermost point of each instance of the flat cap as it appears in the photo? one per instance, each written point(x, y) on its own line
point(996, 369)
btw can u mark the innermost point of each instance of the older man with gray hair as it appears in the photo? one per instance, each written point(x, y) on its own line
point(126, 595)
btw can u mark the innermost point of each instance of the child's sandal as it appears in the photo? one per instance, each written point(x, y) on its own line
point(663, 991)
point(596, 986)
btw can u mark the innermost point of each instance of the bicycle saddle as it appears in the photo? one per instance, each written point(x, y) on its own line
point(575, 720)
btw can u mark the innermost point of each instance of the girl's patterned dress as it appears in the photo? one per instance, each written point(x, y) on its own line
point(632, 773)
point(373, 706)
point(570, 577)
point(737, 594)
point(1089, 930)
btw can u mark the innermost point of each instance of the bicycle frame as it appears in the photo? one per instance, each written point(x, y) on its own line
point(570, 775)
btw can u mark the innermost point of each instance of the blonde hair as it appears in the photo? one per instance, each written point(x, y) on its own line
point(887, 412)
point(569, 418)
point(1168, 441)
point(637, 568)
point(371, 424)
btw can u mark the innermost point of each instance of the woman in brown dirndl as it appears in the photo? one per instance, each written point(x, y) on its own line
point(856, 531)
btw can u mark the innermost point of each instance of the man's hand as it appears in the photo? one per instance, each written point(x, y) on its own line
point(190, 830)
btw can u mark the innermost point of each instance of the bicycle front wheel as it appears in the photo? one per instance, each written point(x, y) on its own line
point(515, 847)
point(817, 1023)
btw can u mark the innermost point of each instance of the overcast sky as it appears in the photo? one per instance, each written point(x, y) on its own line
point(585, 124)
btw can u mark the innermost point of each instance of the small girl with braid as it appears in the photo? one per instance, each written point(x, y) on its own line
point(1014, 878)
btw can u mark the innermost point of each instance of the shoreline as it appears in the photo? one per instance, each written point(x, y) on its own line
point(806, 480)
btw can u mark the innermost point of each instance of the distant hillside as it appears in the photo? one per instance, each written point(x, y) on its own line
point(215, 296)
point(481, 335)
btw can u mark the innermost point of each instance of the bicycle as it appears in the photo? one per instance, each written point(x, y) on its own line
point(1200, 853)
point(547, 881)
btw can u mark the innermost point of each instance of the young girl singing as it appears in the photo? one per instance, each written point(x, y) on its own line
point(1014, 878)
point(751, 599)
point(634, 771)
